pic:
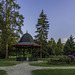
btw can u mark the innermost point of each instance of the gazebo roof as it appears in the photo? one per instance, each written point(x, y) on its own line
point(26, 40)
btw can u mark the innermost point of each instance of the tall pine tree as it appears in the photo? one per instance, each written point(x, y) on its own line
point(12, 22)
point(59, 49)
point(52, 45)
point(42, 31)
point(69, 48)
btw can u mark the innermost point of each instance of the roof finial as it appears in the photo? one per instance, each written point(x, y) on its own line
point(26, 31)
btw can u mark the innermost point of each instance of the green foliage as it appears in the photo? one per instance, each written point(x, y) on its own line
point(69, 48)
point(55, 48)
point(53, 61)
point(10, 24)
point(68, 60)
point(52, 46)
point(42, 33)
point(59, 49)
point(44, 50)
point(62, 60)
point(21, 58)
point(33, 59)
point(42, 27)
point(27, 55)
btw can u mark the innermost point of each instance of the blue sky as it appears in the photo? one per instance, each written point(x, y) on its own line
point(60, 14)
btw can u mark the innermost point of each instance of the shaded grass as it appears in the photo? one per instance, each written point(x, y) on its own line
point(8, 62)
point(45, 64)
point(44, 59)
point(51, 57)
point(2, 72)
point(54, 72)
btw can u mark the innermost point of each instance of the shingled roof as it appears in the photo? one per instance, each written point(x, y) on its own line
point(26, 38)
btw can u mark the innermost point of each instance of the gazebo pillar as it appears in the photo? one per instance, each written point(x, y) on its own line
point(31, 52)
point(23, 52)
point(16, 52)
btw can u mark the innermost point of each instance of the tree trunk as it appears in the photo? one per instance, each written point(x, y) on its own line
point(41, 53)
point(41, 44)
point(6, 30)
point(6, 51)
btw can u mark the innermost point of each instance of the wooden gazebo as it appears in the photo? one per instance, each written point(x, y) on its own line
point(26, 42)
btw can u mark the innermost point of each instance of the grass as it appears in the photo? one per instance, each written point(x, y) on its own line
point(54, 72)
point(44, 64)
point(4, 62)
point(52, 57)
point(2, 72)
point(45, 59)
point(8, 62)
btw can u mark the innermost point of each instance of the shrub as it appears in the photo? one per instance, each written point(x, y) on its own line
point(33, 59)
point(68, 60)
point(65, 59)
point(21, 58)
point(62, 59)
point(53, 61)
point(72, 57)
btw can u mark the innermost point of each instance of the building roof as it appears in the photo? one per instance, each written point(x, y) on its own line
point(63, 44)
point(26, 38)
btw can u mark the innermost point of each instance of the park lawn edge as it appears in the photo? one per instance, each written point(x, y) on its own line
point(5, 63)
point(45, 64)
point(54, 72)
point(3, 72)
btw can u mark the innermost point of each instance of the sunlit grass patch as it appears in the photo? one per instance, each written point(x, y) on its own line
point(4, 62)
point(54, 72)
point(45, 64)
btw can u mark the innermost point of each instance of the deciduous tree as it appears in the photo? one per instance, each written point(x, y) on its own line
point(12, 21)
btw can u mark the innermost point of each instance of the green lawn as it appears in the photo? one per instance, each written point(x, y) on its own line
point(54, 72)
point(2, 72)
point(45, 59)
point(44, 64)
point(9, 62)
point(53, 57)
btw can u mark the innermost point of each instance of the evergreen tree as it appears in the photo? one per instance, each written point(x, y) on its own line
point(59, 50)
point(42, 31)
point(69, 48)
point(12, 22)
point(52, 46)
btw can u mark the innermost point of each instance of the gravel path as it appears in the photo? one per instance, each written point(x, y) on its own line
point(26, 69)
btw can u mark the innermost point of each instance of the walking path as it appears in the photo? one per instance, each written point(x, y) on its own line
point(26, 69)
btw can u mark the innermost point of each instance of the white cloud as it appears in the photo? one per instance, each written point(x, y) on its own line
point(74, 40)
point(65, 39)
